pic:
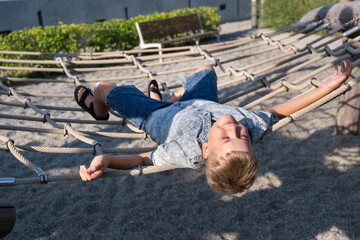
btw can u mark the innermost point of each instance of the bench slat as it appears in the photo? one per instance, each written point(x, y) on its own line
point(160, 29)
point(186, 38)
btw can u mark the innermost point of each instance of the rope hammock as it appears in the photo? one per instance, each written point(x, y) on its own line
point(267, 73)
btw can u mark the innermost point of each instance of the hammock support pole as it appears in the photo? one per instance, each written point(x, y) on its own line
point(7, 217)
point(348, 110)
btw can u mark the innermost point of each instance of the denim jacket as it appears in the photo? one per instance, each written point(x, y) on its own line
point(181, 128)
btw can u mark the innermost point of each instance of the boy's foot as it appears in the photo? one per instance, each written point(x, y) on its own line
point(84, 98)
point(153, 90)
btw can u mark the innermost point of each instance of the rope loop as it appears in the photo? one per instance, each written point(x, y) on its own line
point(94, 147)
point(10, 92)
point(308, 47)
point(291, 118)
point(256, 36)
point(264, 82)
point(293, 49)
point(150, 75)
point(312, 82)
point(140, 170)
point(26, 105)
point(7, 144)
point(41, 175)
point(76, 80)
point(346, 48)
point(283, 80)
point(327, 50)
point(45, 115)
point(65, 128)
point(348, 87)
point(145, 136)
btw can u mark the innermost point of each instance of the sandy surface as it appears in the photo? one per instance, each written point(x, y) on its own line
point(307, 187)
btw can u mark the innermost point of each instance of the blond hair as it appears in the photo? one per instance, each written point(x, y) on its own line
point(235, 172)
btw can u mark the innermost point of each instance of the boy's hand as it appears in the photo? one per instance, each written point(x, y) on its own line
point(338, 77)
point(96, 169)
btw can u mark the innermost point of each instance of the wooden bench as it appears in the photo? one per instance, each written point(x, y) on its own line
point(170, 31)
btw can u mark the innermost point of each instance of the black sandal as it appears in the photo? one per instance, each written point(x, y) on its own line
point(154, 89)
point(81, 102)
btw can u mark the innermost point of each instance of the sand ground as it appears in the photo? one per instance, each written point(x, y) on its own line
point(307, 187)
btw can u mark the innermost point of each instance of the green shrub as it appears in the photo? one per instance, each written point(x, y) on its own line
point(115, 34)
point(281, 13)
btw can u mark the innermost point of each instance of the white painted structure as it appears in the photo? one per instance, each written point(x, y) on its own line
point(20, 14)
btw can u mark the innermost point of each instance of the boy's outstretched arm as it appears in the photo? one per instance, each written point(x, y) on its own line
point(293, 105)
point(122, 162)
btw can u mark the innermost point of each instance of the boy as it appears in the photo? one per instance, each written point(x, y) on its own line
point(193, 128)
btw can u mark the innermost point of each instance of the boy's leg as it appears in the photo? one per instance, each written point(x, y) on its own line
point(132, 104)
point(201, 85)
point(101, 90)
point(181, 91)
point(204, 67)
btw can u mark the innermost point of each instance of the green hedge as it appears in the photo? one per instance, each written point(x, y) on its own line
point(281, 13)
point(115, 34)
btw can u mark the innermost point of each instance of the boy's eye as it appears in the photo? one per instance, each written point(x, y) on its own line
point(246, 138)
point(225, 138)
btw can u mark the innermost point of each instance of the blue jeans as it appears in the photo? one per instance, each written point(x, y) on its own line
point(135, 106)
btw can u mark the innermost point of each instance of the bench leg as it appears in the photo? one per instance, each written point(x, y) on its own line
point(160, 53)
point(139, 54)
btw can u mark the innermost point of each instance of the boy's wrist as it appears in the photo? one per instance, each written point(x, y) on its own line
point(106, 160)
point(330, 88)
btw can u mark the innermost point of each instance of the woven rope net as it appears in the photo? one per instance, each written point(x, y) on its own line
point(251, 70)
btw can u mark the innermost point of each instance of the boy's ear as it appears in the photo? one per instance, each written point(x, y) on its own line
point(205, 149)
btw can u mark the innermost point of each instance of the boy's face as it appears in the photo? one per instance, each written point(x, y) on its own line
point(227, 135)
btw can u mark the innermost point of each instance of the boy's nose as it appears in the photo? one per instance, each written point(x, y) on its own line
point(233, 130)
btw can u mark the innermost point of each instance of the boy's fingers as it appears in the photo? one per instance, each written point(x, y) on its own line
point(348, 67)
point(342, 66)
point(83, 173)
point(91, 169)
point(95, 175)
